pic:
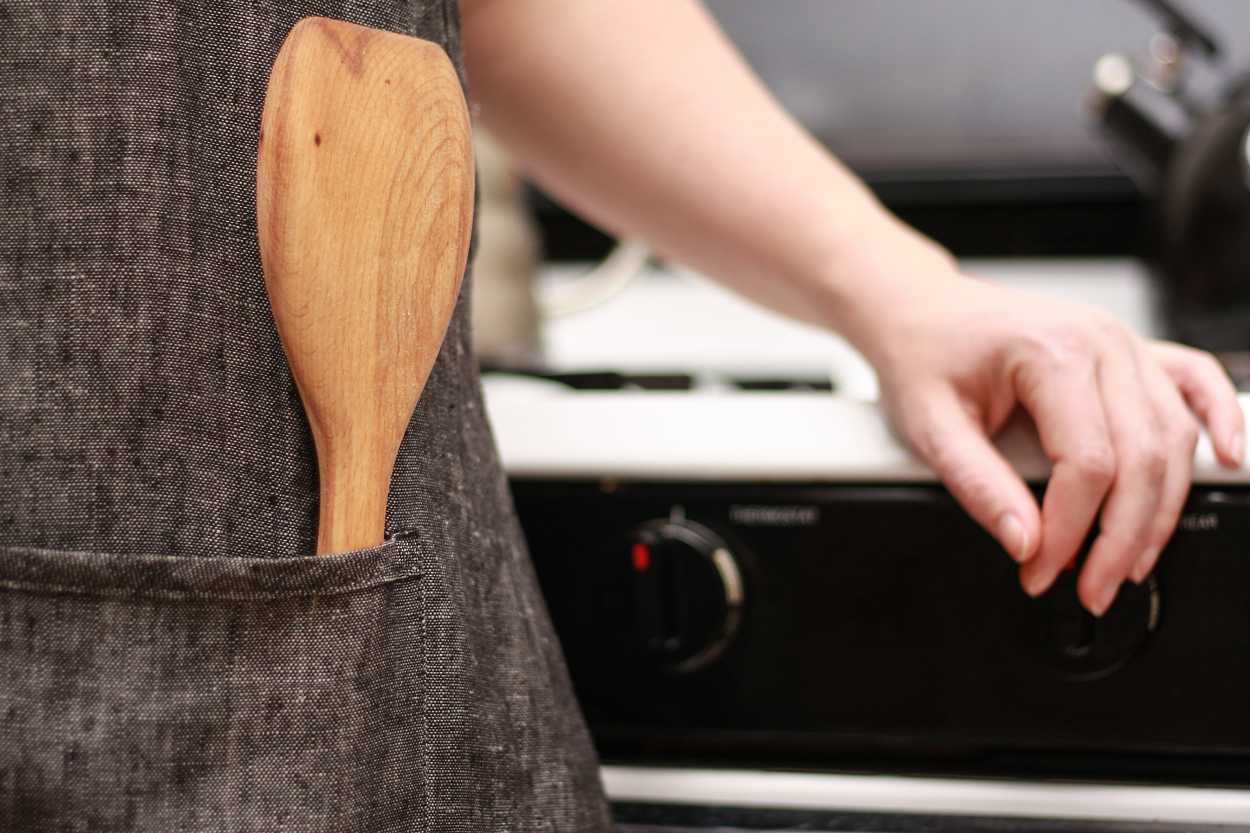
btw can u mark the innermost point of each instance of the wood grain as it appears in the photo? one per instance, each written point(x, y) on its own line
point(364, 202)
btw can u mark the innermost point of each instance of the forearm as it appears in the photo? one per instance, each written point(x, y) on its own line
point(641, 116)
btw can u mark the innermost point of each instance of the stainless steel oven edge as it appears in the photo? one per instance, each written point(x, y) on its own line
point(927, 796)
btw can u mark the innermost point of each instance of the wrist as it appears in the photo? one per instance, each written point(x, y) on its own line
point(877, 277)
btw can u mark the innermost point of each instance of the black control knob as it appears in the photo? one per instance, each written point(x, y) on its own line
point(687, 594)
point(1067, 638)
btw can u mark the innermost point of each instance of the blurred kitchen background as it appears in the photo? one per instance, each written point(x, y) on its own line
point(977, 121)
point(968, 117)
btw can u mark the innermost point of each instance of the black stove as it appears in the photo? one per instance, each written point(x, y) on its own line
point(796, 642)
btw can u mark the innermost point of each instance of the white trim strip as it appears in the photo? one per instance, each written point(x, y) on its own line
point(927, 796)
point(550, 433)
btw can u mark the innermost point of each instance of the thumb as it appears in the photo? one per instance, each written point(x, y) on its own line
point(942, 431)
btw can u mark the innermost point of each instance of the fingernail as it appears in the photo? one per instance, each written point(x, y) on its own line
point(1013, 537)
point(1238, 447)
point(1035, 584)
point(1144, 565)
point(1105, 597)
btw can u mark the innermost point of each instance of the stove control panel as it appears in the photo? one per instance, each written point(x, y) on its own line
point(811, 624)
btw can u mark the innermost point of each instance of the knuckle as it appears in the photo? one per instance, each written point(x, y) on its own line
point(1210, 366)
point(1095, 463)
point(1187, 436)
point(1055, 343)
point(1028, 379)
point(1063, 346)
point(1087, 332)
point(1110, 329)
point(1148, 460)
point(1047, 356)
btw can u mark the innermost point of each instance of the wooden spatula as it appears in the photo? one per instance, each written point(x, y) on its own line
point(364, 202)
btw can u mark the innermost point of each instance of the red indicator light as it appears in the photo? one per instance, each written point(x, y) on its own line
point(642, 558)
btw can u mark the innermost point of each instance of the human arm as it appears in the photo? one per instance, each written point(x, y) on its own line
point(641, 116)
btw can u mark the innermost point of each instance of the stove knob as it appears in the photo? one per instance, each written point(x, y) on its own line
point(1067, 638)
point(687, 595)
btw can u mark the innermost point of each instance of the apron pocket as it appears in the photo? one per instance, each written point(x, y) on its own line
point(151, 693)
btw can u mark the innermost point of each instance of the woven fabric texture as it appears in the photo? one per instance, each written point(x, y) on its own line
point(171, 656)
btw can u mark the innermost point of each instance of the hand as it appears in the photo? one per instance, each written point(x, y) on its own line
point(1118, 417)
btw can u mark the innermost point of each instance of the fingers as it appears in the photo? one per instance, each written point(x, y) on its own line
point(1141, 442)
point(1115, 416)
point(1211, 395)
point(1182, 432)
point(954, 443)
point(1138, 463)
point(1063, 398)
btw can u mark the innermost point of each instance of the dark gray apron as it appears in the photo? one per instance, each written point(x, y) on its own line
point(171, 658)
